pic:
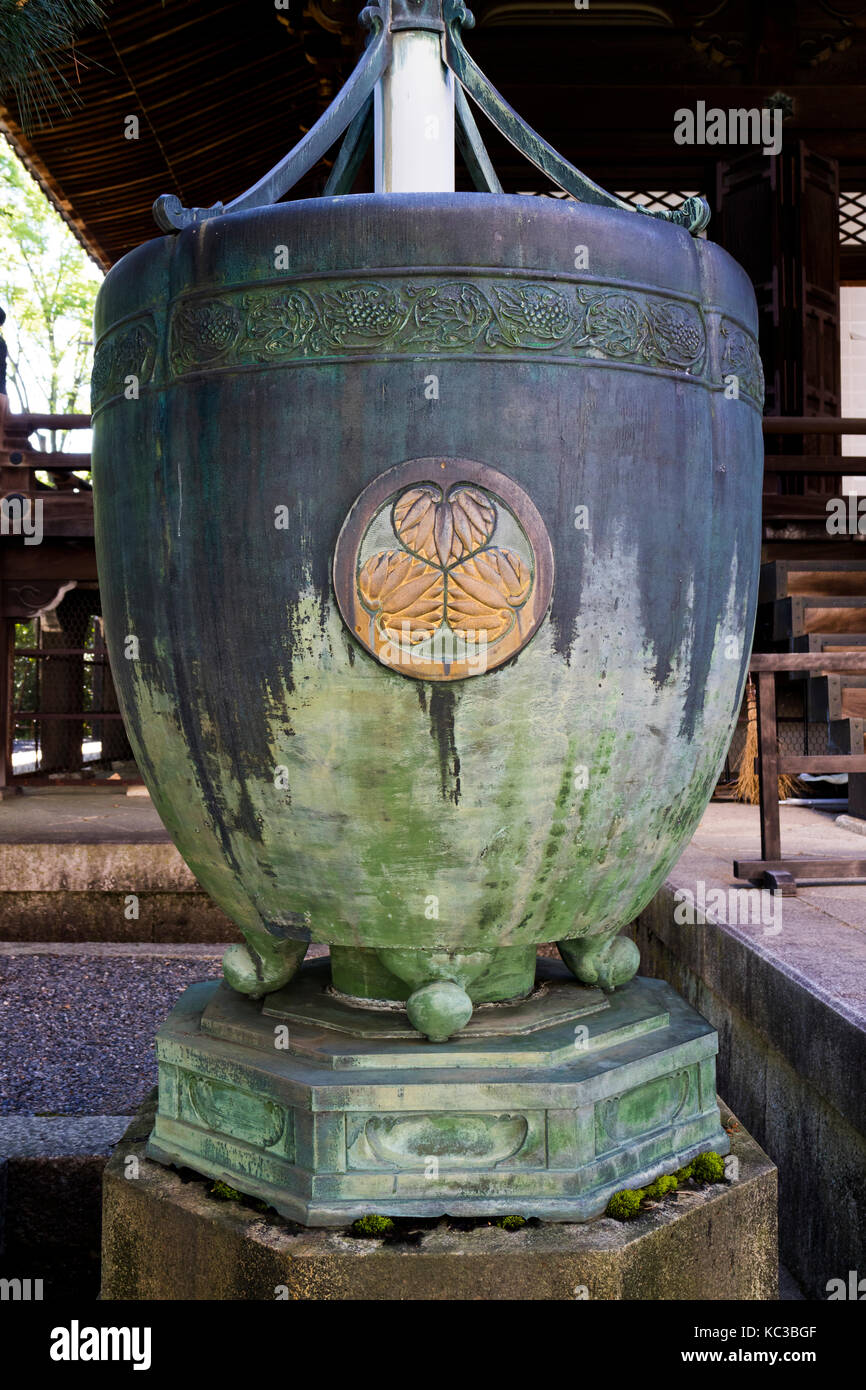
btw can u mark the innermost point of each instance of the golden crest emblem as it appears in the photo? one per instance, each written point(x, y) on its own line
point(443, 569)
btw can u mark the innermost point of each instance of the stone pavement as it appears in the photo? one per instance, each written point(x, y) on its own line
point(78, 1024)
point(73, 815)
point(783, 980)
point(821, 936)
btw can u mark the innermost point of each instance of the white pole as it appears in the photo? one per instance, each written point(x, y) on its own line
point(414, 118)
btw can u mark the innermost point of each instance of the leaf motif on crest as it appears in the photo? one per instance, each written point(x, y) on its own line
point(485, 592)
point(449, 574)
point(402, 590)
point(443, 530)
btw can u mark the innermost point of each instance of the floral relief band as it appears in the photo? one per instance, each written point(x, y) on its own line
point(306, 322)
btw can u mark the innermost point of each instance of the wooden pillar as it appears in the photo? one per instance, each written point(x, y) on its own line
point(61, 687)
point(768, 767)
point(779, 217)
point(7, 640)
point(115, 744)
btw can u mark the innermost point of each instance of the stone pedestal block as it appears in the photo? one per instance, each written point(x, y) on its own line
point(165, 1237)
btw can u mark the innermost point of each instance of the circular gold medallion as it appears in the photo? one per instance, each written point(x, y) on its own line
point(443, 568)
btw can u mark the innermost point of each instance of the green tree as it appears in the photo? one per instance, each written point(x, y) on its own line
point(24, 671)
point(48, 286)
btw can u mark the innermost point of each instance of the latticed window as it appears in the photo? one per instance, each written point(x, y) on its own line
point(655, 201)
point(852, 219)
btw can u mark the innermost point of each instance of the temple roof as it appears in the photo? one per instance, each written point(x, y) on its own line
point(222, 90)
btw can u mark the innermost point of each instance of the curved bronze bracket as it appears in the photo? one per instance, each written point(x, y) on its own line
point(171, 216)
point(351, 108)
point(694, 213)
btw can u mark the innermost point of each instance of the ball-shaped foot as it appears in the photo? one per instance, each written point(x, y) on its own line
point(254, 974)
point(439, 1009)
point(606, 962)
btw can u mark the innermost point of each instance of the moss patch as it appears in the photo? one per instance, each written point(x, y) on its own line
point(372, 1226)
point(625, 1205)
point(660, 1188)
point(224, 1193)
point(708, 1167)
point(510, 1223)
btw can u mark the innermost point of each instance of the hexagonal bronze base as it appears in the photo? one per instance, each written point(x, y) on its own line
point(544, 1107)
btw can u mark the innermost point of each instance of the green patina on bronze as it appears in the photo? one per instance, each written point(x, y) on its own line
point(523, 1112)
point(486, 976)
point(316, 794)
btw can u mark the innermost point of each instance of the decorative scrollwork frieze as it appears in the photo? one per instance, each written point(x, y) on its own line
point(423, 314)
point(428, 315)
point(741, 358)
point(126, 352)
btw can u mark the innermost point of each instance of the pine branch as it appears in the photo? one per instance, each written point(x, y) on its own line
point(32, 35)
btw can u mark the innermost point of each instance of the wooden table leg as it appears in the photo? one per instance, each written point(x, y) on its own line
point(768, 767)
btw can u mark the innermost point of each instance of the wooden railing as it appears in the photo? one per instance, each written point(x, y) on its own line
point(15, 432)
point(67, 509)
point(772, 869)
point(779, 506)
point(16, 452)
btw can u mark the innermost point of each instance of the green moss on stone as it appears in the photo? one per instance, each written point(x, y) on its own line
point(510, 1223)
point(660, 1188)
point(708, 1167)
point(224, 1192)
point(372, 1226)
point(625, 1205)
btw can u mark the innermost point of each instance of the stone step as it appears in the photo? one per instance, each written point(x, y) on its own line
point(799, 616)
point(79, 864)
point(817, 578)
point(784, 982)
point(837, 697)
point(105, 891)
point(713, 1242)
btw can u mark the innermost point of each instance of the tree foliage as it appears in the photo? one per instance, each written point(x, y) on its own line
point(48, 286)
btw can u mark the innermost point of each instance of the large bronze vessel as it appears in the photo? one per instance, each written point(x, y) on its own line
point(428, 528)
point(387, 799)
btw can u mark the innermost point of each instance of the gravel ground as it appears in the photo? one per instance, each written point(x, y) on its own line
point(77, 1023)
point(78, 1031)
